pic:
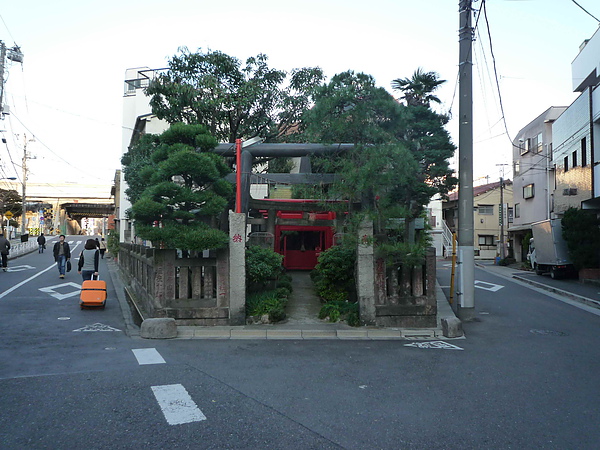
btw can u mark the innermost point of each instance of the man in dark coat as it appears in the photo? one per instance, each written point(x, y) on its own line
point(4, 248)
point(41, 240)
point(62, 253)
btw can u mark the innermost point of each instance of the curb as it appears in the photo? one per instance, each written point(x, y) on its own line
point(578, 298)
point(235, 333)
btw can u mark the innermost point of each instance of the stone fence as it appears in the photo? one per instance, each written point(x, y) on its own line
point(394, 296)
point(191, 290)
point(194, 291)
point(211, 291)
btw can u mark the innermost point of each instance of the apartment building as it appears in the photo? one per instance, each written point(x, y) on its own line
point(533, 170)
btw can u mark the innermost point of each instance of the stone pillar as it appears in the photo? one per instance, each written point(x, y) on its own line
point(365, 273)
point(164, 279)
point(237, 268)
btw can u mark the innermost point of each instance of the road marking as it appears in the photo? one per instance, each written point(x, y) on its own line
point(18, 285)
point(177, 405)
point(488, 286)
point(96, 327)
point(148, 356)
point(19, 268)
point(434, 344)
point(53, 292)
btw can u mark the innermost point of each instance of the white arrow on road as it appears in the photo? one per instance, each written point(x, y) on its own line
point(52, 290)
point(487, 286)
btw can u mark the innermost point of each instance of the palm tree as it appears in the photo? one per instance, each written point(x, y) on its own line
point(418, 89)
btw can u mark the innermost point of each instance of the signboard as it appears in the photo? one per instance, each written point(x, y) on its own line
point(9, 215)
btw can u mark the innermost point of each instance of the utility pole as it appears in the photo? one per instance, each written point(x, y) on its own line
point(501, 214)
point(24, 183)
point(14, 54)
point(2, 59)
point(466, 253)
point(501, 218)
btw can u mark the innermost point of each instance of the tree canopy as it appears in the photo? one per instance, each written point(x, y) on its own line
point(418, 90)
point(177, 188)
point(232, 100)
point(401, 156)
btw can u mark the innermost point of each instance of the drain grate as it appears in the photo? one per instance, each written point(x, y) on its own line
point(549, 332)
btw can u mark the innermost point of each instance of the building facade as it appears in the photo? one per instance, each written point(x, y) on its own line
point(137, 120)
point(492, 218)
point(581, 132)
point(534, 180)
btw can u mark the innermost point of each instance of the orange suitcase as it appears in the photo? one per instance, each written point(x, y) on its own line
point(93, 293)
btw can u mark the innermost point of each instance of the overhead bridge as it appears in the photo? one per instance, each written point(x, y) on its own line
point(93, 210)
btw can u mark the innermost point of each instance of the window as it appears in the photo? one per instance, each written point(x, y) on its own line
point(524, 146)
point(574, 155)
point(538, 146)
point(486, 210)
point(517, 210)
point(583, 153)
point(566, 163)
point(517, 167)
point(528, 191)
point(486, 240)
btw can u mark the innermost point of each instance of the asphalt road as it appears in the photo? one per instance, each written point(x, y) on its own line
point(526, 376)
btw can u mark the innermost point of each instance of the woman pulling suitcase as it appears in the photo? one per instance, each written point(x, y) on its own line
point(88, 260)
point(93, 291)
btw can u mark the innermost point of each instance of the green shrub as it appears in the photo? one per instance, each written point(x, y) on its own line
point(283, 292)
point(581, 230)
point(112, 242)
point(268, 302)
point(276, 315)
point(334, 274)
point(285, 284)
point(341, 310)
point(262, 266)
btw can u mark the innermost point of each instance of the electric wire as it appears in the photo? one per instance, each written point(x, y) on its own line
point(53, 152)
point(485, 16)
point(586, 11)
point(7, 29)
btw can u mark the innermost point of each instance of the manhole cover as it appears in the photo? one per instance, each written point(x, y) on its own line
point(549, 332)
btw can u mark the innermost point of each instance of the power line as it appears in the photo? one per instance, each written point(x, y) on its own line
point(586, 11)
point(483, 7)
point(54, 153)
point(7, 30)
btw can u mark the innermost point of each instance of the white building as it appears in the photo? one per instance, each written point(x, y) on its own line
point(533, 170)
point(576, 149)
point(137, 120)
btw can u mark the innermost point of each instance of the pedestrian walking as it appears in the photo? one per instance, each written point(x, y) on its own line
point(88, 260)
point(102, 247)
point(41, 240)
point(4, 250)
point(62, 254)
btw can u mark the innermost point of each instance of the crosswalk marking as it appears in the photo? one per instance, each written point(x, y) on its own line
point(177, 405)
point(148, 356)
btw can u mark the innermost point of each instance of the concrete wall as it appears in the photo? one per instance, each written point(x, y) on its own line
point(570, 131)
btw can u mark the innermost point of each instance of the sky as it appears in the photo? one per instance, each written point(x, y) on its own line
point(66, 98)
